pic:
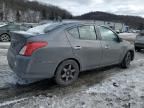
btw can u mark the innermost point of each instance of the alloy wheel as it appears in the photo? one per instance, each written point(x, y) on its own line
point(68, 73)
point(5, 38)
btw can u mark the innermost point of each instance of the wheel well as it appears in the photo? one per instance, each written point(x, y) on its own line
point(5, 33)
point(69, 59)
point(132, 53)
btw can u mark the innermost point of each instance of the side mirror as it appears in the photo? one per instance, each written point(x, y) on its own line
point(118, 32)
point(120, 39)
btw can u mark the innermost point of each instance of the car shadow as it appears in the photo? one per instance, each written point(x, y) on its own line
point(48, 88)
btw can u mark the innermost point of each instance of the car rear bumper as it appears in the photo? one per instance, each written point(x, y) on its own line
point(30, 69)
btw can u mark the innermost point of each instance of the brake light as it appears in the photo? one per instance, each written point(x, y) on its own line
point(30, 47)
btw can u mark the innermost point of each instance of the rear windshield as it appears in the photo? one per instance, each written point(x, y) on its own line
point(42, 29)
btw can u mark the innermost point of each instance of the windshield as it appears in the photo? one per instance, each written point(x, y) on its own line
point(41, 29)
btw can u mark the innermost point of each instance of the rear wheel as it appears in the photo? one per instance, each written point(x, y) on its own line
point(126, 61)
point(5, 38)
point(67, 72)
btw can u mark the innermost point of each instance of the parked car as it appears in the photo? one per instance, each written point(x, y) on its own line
point(2, 24)
point(139, 41)
point(7, 28)
point(62, 50)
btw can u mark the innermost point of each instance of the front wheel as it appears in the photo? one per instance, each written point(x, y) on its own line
point(67, 72)
point(126, 61)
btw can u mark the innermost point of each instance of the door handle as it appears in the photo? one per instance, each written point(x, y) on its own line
point(77, 47)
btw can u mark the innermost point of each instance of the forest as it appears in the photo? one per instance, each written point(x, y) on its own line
point(33, 11)
point(30, 11)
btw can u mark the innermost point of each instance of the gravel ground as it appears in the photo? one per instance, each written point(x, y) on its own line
point(4, 45)
point(111, 87)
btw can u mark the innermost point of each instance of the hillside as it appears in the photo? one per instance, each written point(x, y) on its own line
point(32, 11)
point(29, 11)
point(132, 21)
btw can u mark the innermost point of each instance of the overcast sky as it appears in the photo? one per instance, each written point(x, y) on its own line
point(122, 7)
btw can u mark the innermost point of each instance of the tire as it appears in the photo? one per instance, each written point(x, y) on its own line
point(126, 61)
point(4, 38)
point(67, 73)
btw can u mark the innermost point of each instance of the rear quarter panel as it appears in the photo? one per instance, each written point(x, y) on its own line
point(58, 50)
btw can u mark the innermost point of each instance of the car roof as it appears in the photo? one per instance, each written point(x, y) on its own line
point(81, 23)
point(72, 24)
point(45, 28)
point(76, 22)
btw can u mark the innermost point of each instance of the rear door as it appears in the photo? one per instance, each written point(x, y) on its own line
point(85, 45)
point(111, 46)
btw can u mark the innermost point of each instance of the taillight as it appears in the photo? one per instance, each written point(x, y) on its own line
point(30, 47)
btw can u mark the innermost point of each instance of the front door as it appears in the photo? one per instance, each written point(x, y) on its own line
point(111, 46)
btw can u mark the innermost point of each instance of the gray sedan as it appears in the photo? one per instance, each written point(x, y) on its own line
point(62, 50)
point(7, 28)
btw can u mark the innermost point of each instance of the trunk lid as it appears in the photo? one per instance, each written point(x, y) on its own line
point(18, 40)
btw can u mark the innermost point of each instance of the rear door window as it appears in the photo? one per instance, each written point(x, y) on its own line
point(87, 32)
point(74, 32)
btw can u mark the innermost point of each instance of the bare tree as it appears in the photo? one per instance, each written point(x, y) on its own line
point(31, 11)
